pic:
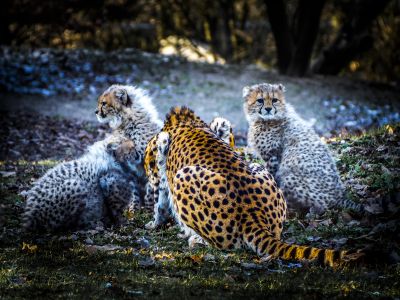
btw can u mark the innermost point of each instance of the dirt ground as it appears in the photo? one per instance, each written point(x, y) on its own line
point(211, 90)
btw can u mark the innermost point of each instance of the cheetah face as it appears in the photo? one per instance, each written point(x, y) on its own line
point(264, 101)
point(125, 153)
point(110, 104)
point(221, 127)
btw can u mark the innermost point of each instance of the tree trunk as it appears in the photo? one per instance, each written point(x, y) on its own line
point(353, 38)
point(306, 27)
point(294, 43)
point(219, 16)
point(276, 11)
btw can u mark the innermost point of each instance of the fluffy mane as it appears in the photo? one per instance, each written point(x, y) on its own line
point(182, 115)
point(143, 102)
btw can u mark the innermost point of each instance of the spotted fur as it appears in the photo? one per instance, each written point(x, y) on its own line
point(162, 210)
point(223, 129)
point(294, 154)
point(131, 113)
point(86, 192)
point(225, 201)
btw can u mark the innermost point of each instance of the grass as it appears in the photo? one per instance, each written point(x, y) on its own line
point(157, 264)
point(373, 160)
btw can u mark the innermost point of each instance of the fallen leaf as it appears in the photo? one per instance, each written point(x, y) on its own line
point(7, 174)
point(128, 251)
point(164, 256)
point(197, 258)
point(129, 214)
point(313, 238)
point(389, 129)
point(29, 248)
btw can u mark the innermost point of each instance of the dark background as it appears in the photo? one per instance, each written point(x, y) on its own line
point(359, 38)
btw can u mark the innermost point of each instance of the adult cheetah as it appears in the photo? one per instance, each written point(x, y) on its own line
point(162, 211)
point(222, 199)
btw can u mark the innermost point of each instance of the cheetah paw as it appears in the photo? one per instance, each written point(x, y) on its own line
point(195, 240)
point(151, 225)
point(163, 142)
point(256, 167)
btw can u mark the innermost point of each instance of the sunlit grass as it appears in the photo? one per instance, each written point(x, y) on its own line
point(174, 45)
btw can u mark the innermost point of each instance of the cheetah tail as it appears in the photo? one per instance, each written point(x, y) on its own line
point(351, 205)
point(267, 244)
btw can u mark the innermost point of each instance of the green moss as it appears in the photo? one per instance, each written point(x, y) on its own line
point(372, 159)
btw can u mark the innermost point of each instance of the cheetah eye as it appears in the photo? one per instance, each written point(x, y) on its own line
point(274, 100)
point(260, 100)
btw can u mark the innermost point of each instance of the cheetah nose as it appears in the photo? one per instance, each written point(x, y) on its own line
point(268, 109)
point(96, 111)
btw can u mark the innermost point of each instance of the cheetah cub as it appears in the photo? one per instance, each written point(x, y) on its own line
point(129, 111)
point(82, 193)
point(294, 154)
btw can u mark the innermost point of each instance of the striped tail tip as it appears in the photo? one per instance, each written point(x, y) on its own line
point(266, 244)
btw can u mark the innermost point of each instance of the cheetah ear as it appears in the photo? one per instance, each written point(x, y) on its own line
point(122, 96)
point(246, 91)
point(281, 87)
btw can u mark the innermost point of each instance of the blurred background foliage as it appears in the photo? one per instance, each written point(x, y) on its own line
point(360, 38)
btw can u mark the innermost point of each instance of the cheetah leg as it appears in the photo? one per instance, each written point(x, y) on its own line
point(162, 208)
point(298, 193)
point(91, 216)
point(272, 159)
point(134, 200)
point(150, 196)
point(189, 234)
point(272, 164)
point(195, 240)
point(205, 209)
point(119, 193)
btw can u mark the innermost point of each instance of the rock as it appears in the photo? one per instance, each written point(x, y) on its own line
point(92, 249)
point(340, 242)
point(313, 238)
point(146, 262)
point(209, 257)
point(108, 285)
point(251, 266)
point(143, 243)
point(290, 240)
point(6, 174)
point(134, 293)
